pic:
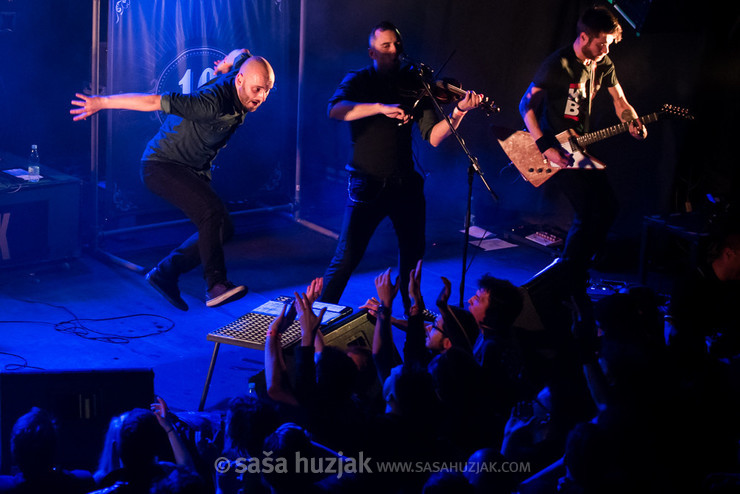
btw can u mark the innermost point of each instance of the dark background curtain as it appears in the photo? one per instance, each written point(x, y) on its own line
point(44, 60)
point(157, 46)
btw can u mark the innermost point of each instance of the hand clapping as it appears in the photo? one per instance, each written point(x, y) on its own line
point(309, 320)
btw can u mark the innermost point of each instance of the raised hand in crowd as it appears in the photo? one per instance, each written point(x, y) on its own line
point(417, 301)
point(314, 289)
point(313, 292)
point(382, 338)
point(310, 322)
point(276, 376)
point(386, 288)
point(518, 431)
point(444, 295)
point(166, 420)
point(371, 305)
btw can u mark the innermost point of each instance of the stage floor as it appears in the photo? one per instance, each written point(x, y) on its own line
point(91, 314)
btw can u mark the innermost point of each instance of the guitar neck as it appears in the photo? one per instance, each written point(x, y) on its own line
point(612, 131)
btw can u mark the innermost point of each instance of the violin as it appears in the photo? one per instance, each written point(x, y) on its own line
point(444, 90)
point(448, 90)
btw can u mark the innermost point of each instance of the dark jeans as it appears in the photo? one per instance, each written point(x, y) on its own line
point(369, 202)
point(595, 207)
point(194, 196)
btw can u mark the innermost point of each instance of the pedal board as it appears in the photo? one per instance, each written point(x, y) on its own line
point(603, 288)
point(545, 238)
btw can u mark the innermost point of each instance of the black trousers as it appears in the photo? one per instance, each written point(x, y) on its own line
point(370, 201)
point(193, 195)
point(595, 208)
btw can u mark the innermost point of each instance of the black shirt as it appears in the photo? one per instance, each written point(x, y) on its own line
point(199, 124)
point(565, 80)
point(381, 147)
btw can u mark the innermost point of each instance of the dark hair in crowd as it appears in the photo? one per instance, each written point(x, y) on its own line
point(33, 441)
point(505, 302)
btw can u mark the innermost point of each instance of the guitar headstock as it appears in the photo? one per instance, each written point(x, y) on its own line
point(676, 111)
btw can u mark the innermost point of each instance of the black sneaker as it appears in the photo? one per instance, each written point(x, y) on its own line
point(167, 287)
point(223, 293)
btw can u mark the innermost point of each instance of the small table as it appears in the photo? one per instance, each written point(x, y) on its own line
point(39, 221)
point(250, 330)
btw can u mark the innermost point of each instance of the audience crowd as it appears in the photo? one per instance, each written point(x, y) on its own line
point(628, 394)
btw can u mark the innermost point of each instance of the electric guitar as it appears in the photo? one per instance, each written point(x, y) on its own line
point(536, 169)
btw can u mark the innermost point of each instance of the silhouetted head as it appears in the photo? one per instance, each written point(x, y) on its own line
point(249, 420)
point(142, 439)
point(290, 442)
point(110, 458)
point(457, 378)
point(33, 442)
point(409, 391)
point(336, 374)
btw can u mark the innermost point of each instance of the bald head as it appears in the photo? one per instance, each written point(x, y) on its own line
point(254, 81)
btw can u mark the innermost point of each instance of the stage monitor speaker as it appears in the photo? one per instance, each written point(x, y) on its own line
point(544, 301)
point(354, 330)
point(544, 325)
point(82, 403)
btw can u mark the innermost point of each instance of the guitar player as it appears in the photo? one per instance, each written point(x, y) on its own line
point(559, 99)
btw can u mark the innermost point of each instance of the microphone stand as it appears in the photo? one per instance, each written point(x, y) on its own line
point(473, 169)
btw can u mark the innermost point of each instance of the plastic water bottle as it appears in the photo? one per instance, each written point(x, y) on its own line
point(34, 169)
point(252, 390)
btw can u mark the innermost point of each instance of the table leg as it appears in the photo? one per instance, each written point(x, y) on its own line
point(208, 377)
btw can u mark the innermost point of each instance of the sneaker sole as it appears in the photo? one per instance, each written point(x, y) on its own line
point(179, 304)
point(232, 295)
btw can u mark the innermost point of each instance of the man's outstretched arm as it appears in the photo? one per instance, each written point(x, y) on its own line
point(89, 105)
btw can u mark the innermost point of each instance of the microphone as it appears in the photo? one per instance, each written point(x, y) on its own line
point(422, 69)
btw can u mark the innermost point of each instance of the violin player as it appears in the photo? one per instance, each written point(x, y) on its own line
point(383, 181)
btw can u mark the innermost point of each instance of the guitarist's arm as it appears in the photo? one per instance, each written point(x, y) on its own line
point(627, 113)
point(528, 107)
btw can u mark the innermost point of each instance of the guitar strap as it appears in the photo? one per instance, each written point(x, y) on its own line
point(591, 69)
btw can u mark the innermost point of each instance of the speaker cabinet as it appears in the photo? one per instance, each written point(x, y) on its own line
point(354, 330)
point(82, 402)
point(544, 301)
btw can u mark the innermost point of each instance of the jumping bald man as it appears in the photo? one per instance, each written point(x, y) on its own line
point(176, 164)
